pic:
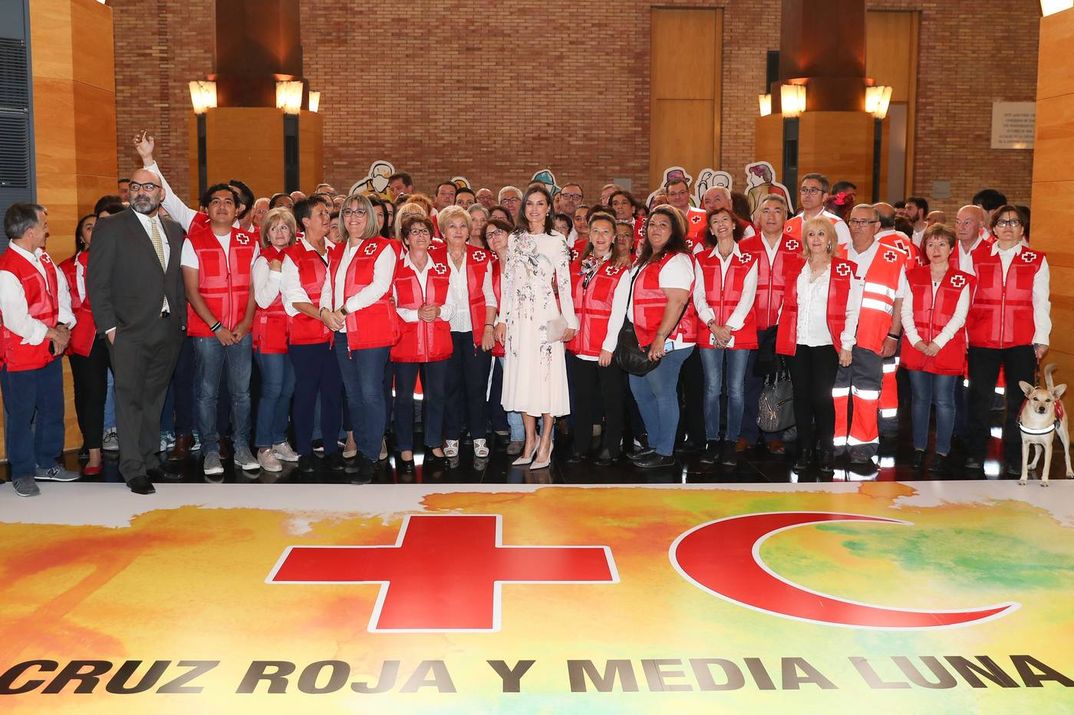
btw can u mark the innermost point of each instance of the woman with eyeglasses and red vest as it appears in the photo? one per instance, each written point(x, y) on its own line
point(505, 424)
point(270, 343)
point(423, 302)
point(87, 352)
point(303, 279)
point(724, 291)
point(665, 323)
point(600, 300)
point(818, 322)
point(934, 341)
point(1009, 325)
point(357, 304)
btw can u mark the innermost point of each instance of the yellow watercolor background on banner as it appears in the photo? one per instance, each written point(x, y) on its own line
point(189, 583)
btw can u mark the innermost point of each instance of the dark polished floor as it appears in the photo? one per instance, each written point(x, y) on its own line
point(755, 466)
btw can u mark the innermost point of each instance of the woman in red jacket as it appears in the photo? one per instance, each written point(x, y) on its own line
point(600, 301)
point(423, 302)
point(270, 342)
point(86, 351)
point(817, 324)
point(934, 341)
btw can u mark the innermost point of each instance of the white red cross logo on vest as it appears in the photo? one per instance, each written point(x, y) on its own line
point(370, 249)
point(957, 281)
point(891, 256)
point(242, 239)
point(744, 258)
point(843, 269)
point(793, 245)
point(440, 268)
point(479, 256)
point(1029, 256)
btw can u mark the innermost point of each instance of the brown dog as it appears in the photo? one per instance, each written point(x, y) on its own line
point(1041, 418)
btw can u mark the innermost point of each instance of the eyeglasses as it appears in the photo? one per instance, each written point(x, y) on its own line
point(135, 187)
point(347, 213)
point(571, 195)
point(512, 200)
point(415, 232)
point(860, 222)
point(810, 190)
point(1008, 223)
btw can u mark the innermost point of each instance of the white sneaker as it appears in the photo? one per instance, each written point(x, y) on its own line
point(110, 441)
point(284, 453)
point(451, 448)
point(266, 459)
point(481, 449)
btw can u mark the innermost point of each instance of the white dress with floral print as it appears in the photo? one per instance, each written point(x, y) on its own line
point(537, 267)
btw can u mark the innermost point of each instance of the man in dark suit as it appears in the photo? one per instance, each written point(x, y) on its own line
point(139, 304)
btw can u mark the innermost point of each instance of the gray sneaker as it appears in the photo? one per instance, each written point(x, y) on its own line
point(110, 441)
point(212, 464)
point(25, 486)
point(244, 460)
point(55, 473)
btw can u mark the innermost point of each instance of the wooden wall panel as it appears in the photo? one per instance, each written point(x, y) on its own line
point(685, 95)
point(1053, 181)
point(891, 53)
point(769, 141)
point(837, 144)
point(311, 151)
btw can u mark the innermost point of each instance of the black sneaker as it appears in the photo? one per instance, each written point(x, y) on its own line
point(973, 464)
point(938, 464)
point(826, 462)
point(804, 461)
point(655, 461)
point(919, 459)
point(728, 456)
point(334, 462)
point(364, 475)
point(711, 453)
point(306, 464)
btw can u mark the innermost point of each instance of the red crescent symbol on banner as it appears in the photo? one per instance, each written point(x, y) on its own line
point(723, 558)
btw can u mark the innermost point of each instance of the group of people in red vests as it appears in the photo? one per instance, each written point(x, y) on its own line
point(345, 301)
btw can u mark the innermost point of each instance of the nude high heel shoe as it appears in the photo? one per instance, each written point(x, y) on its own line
point(545, 463)
point(523, 459)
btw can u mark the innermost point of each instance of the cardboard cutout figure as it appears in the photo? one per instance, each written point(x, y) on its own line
point(761, 181)
point(376, 181)
point(546, 177)
point(461, 182)
point(709, 179)
point(672, 173)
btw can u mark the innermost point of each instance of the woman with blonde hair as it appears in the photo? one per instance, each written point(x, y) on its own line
point(817, 324)
point(270, 342)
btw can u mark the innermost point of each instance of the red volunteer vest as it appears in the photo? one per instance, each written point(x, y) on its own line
point(769, 276)
point(649, 304)
point(593, 306)
point(723, 293)
point(793, 227)
point(881, 282)
point(42, 303)
point(270, 324)
point(930, 317)
point(842, 272)
point(422, 341)
point(695, 225)
point(223, 281)
point(477, 263)
point(376, 325)
point(302, 329)
point(1001, 314)
point(85, 330)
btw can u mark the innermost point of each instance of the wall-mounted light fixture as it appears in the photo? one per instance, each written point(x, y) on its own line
point(314, 101)
point(792, 99)
point(202, 95)
point(764, 102)
point(1050, 7)
point(877, 100)
point(289, 96)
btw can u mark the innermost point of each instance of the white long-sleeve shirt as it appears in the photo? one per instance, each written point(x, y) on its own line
point(13, 307)
point(958, 319)
point(291, 283)
point(266, 282)
point(812, 327)
point(459, 294)
point(383, 270)
point(1042, 302)
point(737, 319)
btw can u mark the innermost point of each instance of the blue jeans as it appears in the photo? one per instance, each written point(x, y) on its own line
point(658, 400)
point(928, 390)
point(110, 403)
point(434, 395)
point(363, 381)
point(713, 362)
point(212, 360)
point(277, 386)
point(33, 417)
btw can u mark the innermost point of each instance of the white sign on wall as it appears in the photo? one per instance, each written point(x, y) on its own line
point(1013, 125)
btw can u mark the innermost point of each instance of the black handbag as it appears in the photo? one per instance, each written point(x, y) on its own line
point(630, 356)
point(775, 408)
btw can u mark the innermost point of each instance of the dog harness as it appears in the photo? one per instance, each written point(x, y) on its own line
point(1039, 431)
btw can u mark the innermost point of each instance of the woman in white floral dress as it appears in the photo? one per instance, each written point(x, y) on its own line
point(534, 325)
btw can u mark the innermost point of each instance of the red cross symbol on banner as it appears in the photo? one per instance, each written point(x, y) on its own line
point(444, 573)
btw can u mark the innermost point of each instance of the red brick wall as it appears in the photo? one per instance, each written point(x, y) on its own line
point(445, 88)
